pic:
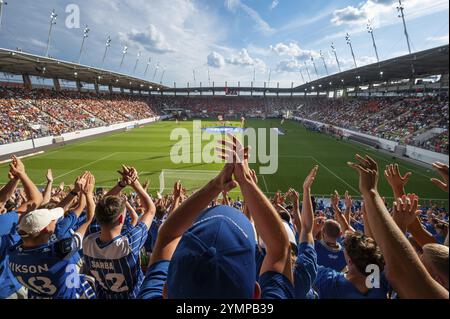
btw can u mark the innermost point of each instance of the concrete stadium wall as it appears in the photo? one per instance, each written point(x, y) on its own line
point(416, 153)
point(46, 141)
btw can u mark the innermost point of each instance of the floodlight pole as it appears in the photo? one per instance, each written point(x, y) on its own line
point(124, 52)
point(307, 71)
point(156, 70)
point(303, 78)
point(193, 73)
point(52, 23)
point(137, 61)
point(270, 75)
point(162, 76)
point(324, 63)
point(2, 3)
point(146, 68)
point(349, 42)
point(85, 35)
point(209, 77)
point(108, 44)
point(254, 75)
point(370, 30)
point(315, 68)
point(335, 55)
point(401, 14)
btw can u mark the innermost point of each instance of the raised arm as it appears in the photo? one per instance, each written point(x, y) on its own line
point(339, 215)
point(404, 270)
point(8, 190)
point(34, 196)
point(87, 188)
point(294, 196)
point(48, 188)
point(67, 201)
point(442, 169)
point(133, 215)
point(185, 215)
point(306, 234)
point(396, 180)
point(147, 204)
point(267, 221)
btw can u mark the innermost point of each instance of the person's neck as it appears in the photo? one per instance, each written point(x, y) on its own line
point(357, 279)
point(331, 243)
point(108, 234)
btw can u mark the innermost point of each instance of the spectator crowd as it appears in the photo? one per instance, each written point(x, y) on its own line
point(80, 242)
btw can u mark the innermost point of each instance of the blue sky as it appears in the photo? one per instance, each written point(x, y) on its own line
point(230, 38)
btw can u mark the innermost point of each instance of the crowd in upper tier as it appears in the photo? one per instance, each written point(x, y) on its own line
point(41, 112)
point(421, 122)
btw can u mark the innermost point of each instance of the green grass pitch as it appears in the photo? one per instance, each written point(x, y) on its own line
point(148, 150)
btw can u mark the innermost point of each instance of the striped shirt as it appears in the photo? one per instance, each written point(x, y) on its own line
point(115, 264)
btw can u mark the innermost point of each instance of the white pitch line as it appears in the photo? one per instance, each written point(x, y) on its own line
point(88, 164)
point(329, 170)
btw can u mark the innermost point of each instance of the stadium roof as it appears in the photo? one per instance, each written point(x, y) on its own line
point(416, 65)
point(16, 62)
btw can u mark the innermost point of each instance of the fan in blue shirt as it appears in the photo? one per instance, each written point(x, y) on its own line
point(329, 251)
point(364, 279)
point(112, 255)
point(210, 254)
point(49, 268)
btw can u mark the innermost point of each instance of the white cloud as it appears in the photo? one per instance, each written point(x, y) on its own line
point(292, 50)
point(289, 66)
point(216, 60)
point(274, 4)
point(242, 58)
point(149, 38)
point(439, 39)
point(384, 12)
point(260, 23)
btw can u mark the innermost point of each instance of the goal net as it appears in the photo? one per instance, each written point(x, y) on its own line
point(192, 180)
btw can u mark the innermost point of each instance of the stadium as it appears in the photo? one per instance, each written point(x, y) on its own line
point(152, 167)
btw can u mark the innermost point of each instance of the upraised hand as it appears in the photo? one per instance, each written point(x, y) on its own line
point(442, 169)
point(129, 175)
point(368, 173)
point(348, 200)
point(335, 198)
point(405, 211)
point(309, 180)
point(16, 167)
point(49, 176)
point(88, 184)
point(395, 179)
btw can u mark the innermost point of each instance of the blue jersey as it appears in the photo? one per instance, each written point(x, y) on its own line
point(330, 258)
point(115, 265)
point(152, 235)
point(331, 284)
point(305, 271)
point(8, 223)
point(50, 270)
point(8, 283)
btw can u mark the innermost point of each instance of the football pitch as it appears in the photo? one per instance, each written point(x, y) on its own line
point(148, 149)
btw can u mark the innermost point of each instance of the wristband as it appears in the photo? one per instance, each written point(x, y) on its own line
point(73, 193)
point(121, 185)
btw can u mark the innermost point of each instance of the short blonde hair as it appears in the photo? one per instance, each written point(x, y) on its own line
point(438, 257)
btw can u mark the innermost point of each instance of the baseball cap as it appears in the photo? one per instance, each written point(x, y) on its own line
point(215, 258)
point(290, 234)
point(35, 221)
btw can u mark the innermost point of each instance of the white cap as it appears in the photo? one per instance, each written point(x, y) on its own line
point(289, 232)
point(34, 222)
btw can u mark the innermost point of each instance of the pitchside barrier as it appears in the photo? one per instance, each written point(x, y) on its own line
point(49, 140)
point(412, 152)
